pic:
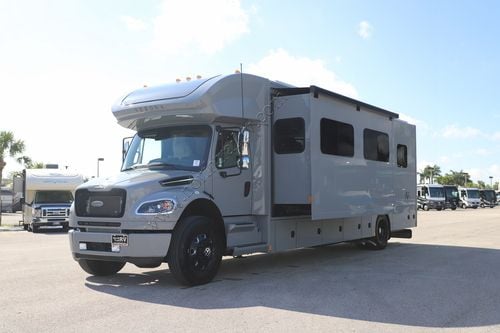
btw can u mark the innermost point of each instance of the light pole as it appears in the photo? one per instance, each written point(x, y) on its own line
point(491, 182)
point(100, 159)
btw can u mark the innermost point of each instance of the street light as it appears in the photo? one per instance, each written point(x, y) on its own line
point(100, 159)
point(491, 182)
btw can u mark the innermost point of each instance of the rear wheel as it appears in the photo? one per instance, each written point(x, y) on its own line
point(100, 268)
point(382, 233)
point(196, 250)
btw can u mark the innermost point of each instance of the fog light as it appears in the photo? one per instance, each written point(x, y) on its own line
point(83, 246)
point(115, 248)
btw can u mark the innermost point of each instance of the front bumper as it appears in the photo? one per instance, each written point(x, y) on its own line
point(142, 247)
point(43, 222)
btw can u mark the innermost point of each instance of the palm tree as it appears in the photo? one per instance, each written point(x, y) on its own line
point(11, 147)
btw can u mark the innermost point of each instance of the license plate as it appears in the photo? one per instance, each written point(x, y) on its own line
point(120, 240)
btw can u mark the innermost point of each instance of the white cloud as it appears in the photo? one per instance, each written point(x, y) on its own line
point(422, 125)
point(206, 26)
point(300, 71)
point(134, 24)
point(365, 29)
point(455, 132)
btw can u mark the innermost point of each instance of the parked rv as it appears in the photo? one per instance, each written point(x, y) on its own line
point(47, 197)
point(238, 164)
point(451, 196)
point(430, 196)
point(488, 198)
point(6, 196)
point(469, 197)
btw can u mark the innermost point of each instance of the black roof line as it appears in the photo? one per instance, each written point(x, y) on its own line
point(315, 90)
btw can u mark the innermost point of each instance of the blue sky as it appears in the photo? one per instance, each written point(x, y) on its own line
point(437, 63)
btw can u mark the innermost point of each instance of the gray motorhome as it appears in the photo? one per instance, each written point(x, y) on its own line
point(239, 164)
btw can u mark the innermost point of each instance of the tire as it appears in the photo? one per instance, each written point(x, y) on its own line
point(438, 209)
point(382, 234)
point(196, 250)
point(100, 268)
point(482, 205)
point(454, 208)
point(35, 229)
point(426, 208)
point(25, 227)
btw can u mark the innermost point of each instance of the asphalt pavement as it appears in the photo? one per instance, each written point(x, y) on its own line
point(447, 276)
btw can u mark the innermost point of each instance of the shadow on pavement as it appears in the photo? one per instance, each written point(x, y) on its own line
point(407, 284)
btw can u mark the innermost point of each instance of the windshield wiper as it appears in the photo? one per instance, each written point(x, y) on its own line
point(162, 164)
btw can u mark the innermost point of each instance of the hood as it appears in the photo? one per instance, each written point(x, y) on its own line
point(132, 178)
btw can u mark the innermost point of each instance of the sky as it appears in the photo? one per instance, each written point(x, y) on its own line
point(63, 64)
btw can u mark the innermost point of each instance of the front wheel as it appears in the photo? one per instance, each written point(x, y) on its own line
point(426, 208)
point(100, 268)
point(196, 250)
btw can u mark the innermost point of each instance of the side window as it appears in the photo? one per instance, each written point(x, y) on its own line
point(375, 145)
point(289, 136)
point(402, 156)
point(226, 152)
point(337, 138)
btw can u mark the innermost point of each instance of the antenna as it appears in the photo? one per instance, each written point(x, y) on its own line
point(241, 80)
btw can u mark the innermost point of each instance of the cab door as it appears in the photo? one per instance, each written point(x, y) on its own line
point(232, 190)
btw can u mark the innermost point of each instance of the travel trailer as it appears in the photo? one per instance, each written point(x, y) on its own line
point(451, 196)
point(488, 198)
point(469, 197)
point(431, 196)
point(47, 197)
point(239, 164)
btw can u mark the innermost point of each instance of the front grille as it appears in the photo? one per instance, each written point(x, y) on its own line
point(55, 212)
point(103, 247)
point(100, 204)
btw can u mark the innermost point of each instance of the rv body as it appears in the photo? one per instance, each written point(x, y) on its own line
point(451, 197)
point(47, 197)
point(6, 198)
point(431, 196)
point(488, 198)
point(469, 197)
point(239, 164)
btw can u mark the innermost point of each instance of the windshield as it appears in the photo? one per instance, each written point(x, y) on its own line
point(489, 195)
point(436, 192)
point(451, 192)
point(48, 197)
point(176, 147)
point(473, 194)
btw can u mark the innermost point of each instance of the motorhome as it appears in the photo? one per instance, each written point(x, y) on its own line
point(451, 196)
point(469, 197)
point(6, 197)
point(430, 196)
point(238, 164)
point(488, 198)
point(47, 197)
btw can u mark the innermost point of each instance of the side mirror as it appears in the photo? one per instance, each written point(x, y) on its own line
point(125, 146)
point(244, 148)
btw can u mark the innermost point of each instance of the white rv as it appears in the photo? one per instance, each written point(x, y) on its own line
point(48, 195)
point(238, 164)
point(469, 197)
point(431, 196)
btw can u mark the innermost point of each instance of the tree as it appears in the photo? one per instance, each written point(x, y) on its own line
point(430, 172)
point(459, 178)
point(9, 146)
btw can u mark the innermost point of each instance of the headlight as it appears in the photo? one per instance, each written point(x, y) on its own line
point(37, 212)
point(164, 206)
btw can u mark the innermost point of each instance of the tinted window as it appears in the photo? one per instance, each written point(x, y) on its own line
point(402, 156)
point(289, 136)
point(227, 153)
point(375, 145)
point(337, 138)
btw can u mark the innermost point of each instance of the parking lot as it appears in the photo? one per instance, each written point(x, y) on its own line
point(447, 275)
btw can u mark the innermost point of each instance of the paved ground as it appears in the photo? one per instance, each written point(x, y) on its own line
point(447, 276)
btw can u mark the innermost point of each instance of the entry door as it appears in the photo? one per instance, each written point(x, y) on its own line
point(231, 185)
